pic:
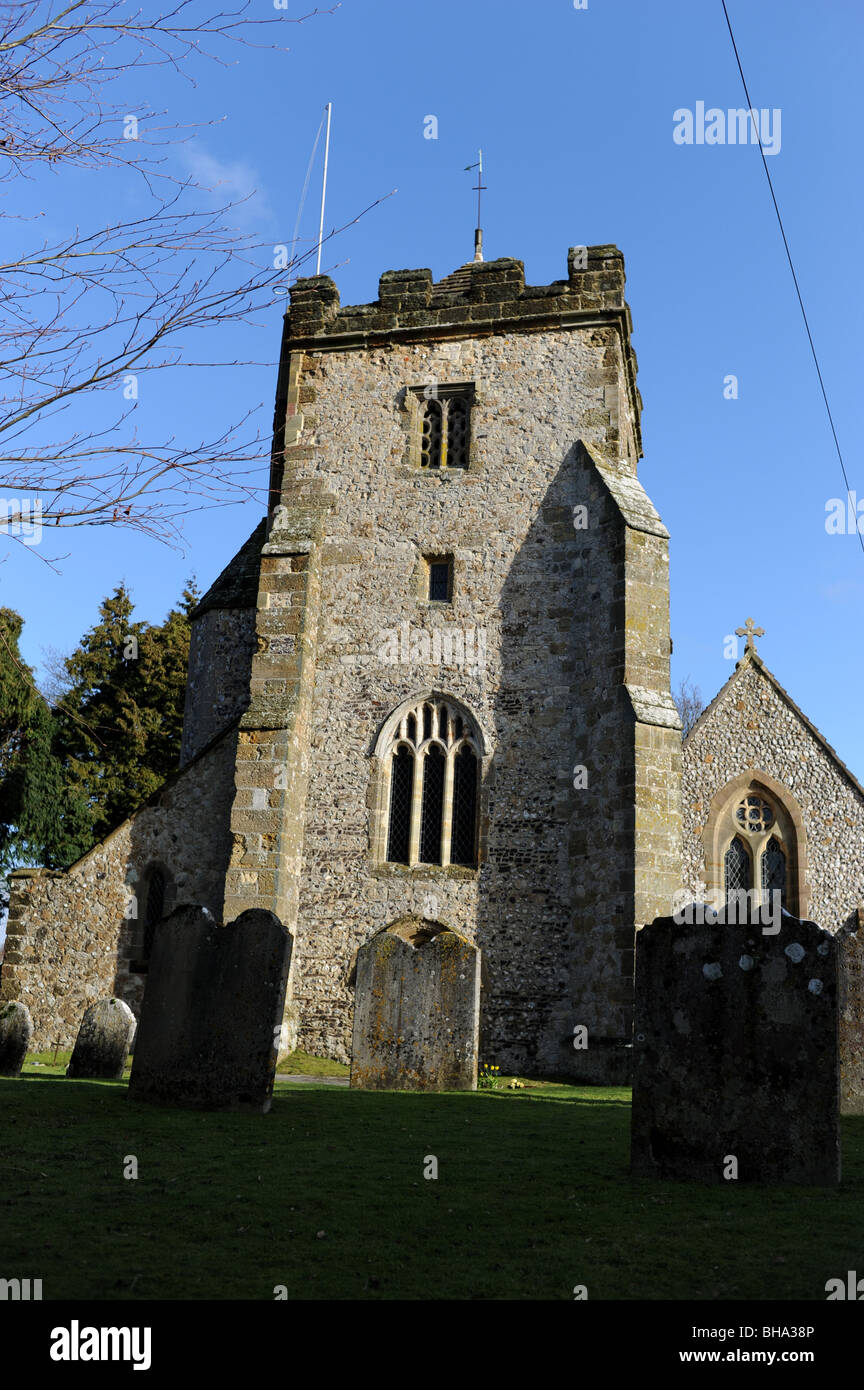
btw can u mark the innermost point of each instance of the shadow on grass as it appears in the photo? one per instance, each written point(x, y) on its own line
point(39, 1077)
point(326, 1196)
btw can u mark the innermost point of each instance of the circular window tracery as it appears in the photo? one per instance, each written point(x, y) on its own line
point(754, 815)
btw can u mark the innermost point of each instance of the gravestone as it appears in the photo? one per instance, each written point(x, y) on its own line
point(16, 1030)
point(416, 1011)
point(736, 1051)
point(211, 1015)
point(851, 946)
point(103, 1042)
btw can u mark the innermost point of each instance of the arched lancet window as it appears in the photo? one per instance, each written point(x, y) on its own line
point(774, 871)
point(737, 867)
point(430, 447)
point(431, 756)
point(432, 812)
point(764, 817)
point(463, 841)
point(401, 792)
point(756, 857)
point(154, 909)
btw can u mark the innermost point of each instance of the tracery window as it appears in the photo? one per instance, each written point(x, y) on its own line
point(445, 427)
point(763, 815)
point(774, 869)
point(754, 814)
point(756, 855)
point(737, 867)
point(432, 770)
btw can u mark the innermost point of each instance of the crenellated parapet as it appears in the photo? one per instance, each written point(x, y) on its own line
point(478, 298)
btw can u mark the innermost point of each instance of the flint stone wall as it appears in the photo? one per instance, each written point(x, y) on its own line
point(574, 631)
point(70, 936)
point(416, 1014)
point(736, 1052)
point(755, 727)
point(212, 1013)
point(103, 1042)
point(217, 689)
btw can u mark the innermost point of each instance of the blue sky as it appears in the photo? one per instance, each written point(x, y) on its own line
point(574, 111)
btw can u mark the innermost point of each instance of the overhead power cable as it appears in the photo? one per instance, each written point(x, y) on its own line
point(753, 118)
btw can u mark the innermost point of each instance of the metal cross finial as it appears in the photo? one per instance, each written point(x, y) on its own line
point(750, 630)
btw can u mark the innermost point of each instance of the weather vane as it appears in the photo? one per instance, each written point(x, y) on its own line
point(480, 186)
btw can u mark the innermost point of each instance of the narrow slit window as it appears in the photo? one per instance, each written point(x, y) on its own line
point(440, 578)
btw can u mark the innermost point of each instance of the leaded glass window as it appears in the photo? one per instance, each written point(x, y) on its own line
point(464, 833)
point(737, 867)
point(432, 810)
point(432, 758)
point(440, 580)
point(445, 425)
point(430, 447)
point(457, 432)
point(774, 871)
point(401, 792)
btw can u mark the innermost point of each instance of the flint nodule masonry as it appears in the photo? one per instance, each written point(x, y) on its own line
point(433, 687)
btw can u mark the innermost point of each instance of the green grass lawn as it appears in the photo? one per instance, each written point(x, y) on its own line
point(326, 1196)
point(54, 1063)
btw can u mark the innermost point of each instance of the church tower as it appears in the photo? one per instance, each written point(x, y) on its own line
point(459, 711)
point(430, 691)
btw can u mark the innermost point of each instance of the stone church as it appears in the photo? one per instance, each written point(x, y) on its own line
point(431, 692)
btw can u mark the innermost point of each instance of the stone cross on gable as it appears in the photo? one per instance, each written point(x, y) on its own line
point(750, 630)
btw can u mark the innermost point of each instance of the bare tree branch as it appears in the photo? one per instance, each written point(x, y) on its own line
point(689, 703)
point(85, 317)
point(56, 61)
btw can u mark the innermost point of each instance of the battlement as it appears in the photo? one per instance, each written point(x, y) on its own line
point(478, 297)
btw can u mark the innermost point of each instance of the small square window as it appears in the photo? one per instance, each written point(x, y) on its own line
point(439, 574)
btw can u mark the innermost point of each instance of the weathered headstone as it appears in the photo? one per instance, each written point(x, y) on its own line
point(103, 1042)
point(212, 1011)
point(416, 1011)
point(851, 946)
point(736, 1052)
point(16, 1030)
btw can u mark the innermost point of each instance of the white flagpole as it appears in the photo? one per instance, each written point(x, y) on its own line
point(324, 189)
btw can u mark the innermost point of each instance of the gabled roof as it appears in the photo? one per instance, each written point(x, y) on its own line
point(751, 658)
point(237, 585)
